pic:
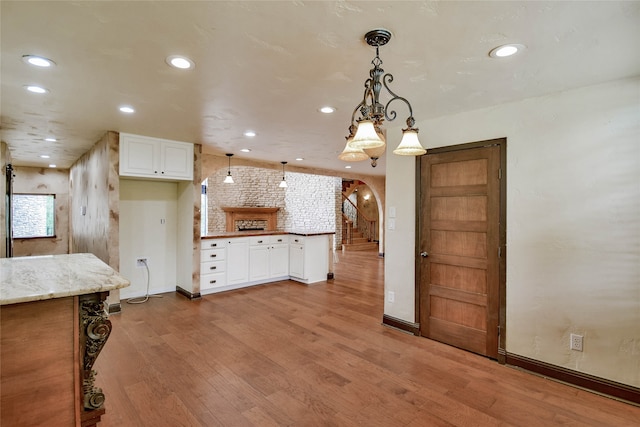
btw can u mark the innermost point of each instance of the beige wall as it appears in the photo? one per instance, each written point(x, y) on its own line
point(94, 190)
point(29, 180)
point(573, 203)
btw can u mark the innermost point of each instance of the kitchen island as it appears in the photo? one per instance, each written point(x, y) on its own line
point(53, 326)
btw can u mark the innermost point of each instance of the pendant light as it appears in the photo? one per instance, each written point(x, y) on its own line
point(283, 183)
point(373, 112)
point(229, 179)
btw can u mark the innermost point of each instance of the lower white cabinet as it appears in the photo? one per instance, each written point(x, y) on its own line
point(309, 258)
point(237, 262)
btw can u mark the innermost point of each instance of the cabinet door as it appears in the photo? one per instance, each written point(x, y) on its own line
point(138, 156)
point(296, 260)
point(279, 260)
point(258, 262)
point(237, 261)
point(176, 160)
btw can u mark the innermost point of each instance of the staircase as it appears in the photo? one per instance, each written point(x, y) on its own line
point(359, 243)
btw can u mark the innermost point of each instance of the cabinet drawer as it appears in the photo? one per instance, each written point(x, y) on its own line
point(282, 238)
point(209, 281)
point(212, 267)
point(212, 254)
point(212, 243)
point(259, 240)
point(296, 239)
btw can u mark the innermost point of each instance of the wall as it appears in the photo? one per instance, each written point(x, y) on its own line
point(308, 202)
point(94, 184)
point(148, 229)
point(573, 203)
point(31, 180)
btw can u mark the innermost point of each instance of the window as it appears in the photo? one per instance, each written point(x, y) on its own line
point(32, 215)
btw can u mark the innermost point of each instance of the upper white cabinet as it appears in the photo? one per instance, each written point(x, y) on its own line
point(146, 157)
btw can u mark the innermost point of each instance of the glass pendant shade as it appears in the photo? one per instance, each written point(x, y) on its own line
point(350, 154)
point(366, 136)
point(376, 152)
point(410, 145)
point(228, 179)
point(283, 183)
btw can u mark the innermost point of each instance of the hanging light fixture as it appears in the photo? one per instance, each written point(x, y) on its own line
point(368, 128)
point(228, 179)
point(283, 183)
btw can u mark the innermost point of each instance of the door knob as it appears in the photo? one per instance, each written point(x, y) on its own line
point(424, 254)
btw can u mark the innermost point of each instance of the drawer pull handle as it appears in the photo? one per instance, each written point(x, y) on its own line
point(279, 240)
point(212, 281)
point(213, 268)
point(213, 245)
point(259, 241)
point(213, 255)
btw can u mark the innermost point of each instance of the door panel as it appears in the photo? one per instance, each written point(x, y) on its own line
point(459, 280)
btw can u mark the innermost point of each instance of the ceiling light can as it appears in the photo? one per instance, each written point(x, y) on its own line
point(506, 50)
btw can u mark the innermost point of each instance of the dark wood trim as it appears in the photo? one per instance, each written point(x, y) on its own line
point(114, 308)
point(580, 379)
point(403, 325)
point(418, 217)
point(502, 263)
point(188, 294)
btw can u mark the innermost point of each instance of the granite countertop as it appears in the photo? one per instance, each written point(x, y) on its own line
point(26, 279)
point(267, 233)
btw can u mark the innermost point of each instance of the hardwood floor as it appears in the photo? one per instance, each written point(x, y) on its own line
point(288, 354)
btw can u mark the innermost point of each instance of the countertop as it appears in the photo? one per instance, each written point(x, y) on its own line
point(250, 233)
point(26, 279)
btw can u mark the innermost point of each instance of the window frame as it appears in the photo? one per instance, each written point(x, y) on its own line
point(13, 216)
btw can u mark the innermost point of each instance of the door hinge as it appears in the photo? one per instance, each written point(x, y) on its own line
point(499, 252)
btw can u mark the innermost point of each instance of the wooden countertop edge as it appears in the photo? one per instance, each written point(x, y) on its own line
point(265, 233)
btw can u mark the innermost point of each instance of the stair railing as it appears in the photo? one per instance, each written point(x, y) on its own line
point(358, 220)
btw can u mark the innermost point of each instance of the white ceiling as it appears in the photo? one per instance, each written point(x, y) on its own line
point(269, 65)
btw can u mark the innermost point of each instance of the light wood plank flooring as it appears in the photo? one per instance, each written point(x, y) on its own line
point(288, 354)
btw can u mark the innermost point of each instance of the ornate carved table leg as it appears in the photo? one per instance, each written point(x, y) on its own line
point(94, 331)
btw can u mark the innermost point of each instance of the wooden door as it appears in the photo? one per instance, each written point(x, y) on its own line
point(459, 245)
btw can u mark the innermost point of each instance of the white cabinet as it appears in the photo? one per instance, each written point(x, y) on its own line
point(146, 157)
point(237, 260)
point(269, 257)
point(309, 258)
point(213, 265)
point(259, 258)
point(279, 257)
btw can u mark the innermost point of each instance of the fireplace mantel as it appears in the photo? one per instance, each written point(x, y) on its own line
point(244, 213)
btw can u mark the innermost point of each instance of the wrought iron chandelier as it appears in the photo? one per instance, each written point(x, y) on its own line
point(366, 137)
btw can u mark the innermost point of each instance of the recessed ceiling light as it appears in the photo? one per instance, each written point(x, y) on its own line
point(38, 61)
point(347, 167)
point(299, 159)
point(181, 62)
point(44, 156)
point(505, 50)
point(327, 110)
point(245, 150)
point(36, 89)
point(52, 165)
point(50, 139)
point(250, 133)
point(127, 109)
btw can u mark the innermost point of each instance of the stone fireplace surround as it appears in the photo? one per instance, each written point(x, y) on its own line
point(243, 213)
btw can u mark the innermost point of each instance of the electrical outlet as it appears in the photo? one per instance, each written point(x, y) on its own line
point(576, 342)
point(141, 262)
point(391, 296)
